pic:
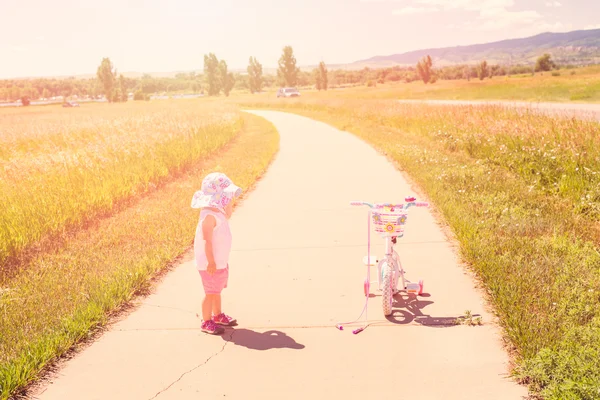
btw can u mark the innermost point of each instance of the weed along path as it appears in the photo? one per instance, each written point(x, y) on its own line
point(296, 271)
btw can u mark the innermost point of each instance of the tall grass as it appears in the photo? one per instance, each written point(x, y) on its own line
point(521, 192)
point(62, 295)
point(60, 168)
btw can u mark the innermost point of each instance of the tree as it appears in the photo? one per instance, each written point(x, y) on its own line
point(97, 90)
point(229, 83)
point(255, 78)
point(544, 63)
point(483, 70)
point(116, 95)
point(287, 73)
point(424, 69)
point(148, 84)
point(26, 92)
point(107, 77)
point(123, 87)
point(467, 73)
point(317, 77)
point(139, 95)
point(227, 78)
point(15, 93)
point(320, 76)
point(241, 82)
point(323, 75)
point(304, 78)
point(25, 101)
point(211, 72)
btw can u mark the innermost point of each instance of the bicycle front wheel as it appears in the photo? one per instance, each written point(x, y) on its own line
point(387, 296)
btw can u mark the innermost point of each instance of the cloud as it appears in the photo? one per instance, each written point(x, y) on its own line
point(41, 38)
point(19, 49)
point(414, 10)
point(590, 27)
point(469, 5)
point(491, 14)
point(503, 18)
point(495, 14)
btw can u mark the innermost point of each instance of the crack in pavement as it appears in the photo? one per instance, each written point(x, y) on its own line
point(195, 368)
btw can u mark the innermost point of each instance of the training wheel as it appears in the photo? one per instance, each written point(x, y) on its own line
point(421, 287)
point(366, 287)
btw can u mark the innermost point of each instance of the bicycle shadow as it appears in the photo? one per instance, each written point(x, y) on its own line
point(408, 308)
point(262, 341)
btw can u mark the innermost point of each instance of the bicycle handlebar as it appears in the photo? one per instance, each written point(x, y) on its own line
point(410, 202)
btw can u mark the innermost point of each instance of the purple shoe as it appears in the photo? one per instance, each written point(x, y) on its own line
point(225, 320)
point(211, 328)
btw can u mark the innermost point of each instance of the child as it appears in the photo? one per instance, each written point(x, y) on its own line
point(212, 245)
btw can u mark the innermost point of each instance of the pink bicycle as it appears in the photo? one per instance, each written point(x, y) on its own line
point(389, 220)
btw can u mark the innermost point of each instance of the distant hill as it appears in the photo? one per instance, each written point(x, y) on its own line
point(577, 47)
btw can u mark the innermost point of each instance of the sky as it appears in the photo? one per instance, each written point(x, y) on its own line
point(70, 37)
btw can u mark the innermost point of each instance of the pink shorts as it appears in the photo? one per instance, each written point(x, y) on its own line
point(214, 284)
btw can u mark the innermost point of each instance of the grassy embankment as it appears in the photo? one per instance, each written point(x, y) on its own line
point(95, 201)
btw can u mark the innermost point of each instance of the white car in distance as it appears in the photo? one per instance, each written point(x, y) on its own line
point(288, 92)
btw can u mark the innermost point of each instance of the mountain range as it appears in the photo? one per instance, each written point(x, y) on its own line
point(576, 47)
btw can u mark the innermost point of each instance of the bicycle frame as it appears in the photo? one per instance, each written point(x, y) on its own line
point(391, 258)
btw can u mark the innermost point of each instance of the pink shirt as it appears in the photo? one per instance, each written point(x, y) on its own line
point(221, 241)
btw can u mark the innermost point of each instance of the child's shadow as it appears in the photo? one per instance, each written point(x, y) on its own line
point(262, 341)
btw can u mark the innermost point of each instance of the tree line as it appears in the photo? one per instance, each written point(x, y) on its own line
point(216, 78)
point(288, 74)
point(424, 70)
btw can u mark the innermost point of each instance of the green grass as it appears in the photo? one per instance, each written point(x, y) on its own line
point(584, 87)
point(521, 193)
point(540, 88)
point(60, 168)
point(61, 295)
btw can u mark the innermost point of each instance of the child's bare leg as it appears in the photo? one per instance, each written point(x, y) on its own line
point(216, 304)
point(207, 305)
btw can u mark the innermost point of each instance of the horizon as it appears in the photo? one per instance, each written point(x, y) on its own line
point(148, 38)
point(272, 67)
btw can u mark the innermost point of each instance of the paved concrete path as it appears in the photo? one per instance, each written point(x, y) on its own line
point(296, 271)
point(579, 110)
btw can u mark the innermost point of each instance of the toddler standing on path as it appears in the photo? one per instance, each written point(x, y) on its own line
point(212, 246)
